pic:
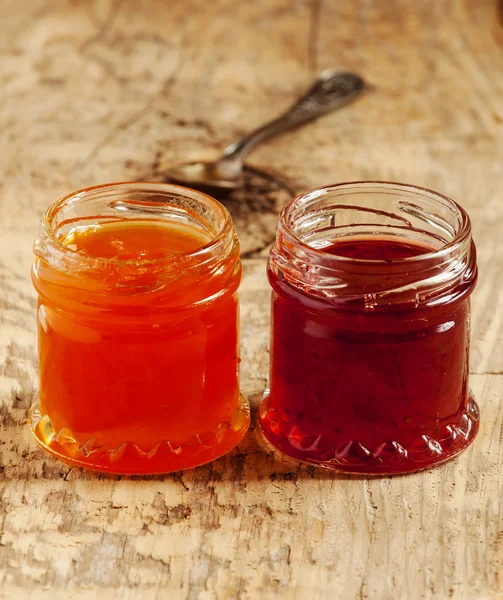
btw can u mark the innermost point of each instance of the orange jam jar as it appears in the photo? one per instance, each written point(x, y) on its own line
point(138, 329)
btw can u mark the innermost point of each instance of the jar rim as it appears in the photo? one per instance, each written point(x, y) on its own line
point(287, 219)
point(153, 187)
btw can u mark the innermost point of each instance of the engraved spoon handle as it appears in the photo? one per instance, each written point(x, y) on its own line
point(332, 90)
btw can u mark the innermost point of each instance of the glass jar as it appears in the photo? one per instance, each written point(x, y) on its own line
point(138, 352)
point(370, 329)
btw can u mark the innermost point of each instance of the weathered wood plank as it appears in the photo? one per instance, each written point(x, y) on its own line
point(103, 90)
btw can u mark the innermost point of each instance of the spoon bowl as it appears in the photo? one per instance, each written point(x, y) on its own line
point(201, 174)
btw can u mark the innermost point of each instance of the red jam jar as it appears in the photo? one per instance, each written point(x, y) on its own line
point(370, 329)
point(138, 329)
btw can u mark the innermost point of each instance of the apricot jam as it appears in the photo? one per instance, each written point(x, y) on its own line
point(138, 329)
point(370, 329)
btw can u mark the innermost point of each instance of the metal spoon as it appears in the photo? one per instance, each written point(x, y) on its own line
point(330, 91)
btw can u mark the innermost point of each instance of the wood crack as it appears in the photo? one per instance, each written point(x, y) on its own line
point(105, 26)
point(313, 36)
point(124, 125)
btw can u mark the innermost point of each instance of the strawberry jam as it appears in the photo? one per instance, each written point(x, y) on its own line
point(369, 351)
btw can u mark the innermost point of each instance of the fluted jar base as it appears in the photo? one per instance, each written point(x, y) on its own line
point(416, 451)
point(131, 458)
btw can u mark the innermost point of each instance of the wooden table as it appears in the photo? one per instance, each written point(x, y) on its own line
point(104, 90)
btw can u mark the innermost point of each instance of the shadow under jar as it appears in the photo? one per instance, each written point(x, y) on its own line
point(370, 329)
point(138, 329)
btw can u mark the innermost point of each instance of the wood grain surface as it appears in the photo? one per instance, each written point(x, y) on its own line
point(93, 91)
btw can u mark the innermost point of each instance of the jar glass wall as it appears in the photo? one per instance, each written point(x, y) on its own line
point(138, 329)
point(370, 329)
